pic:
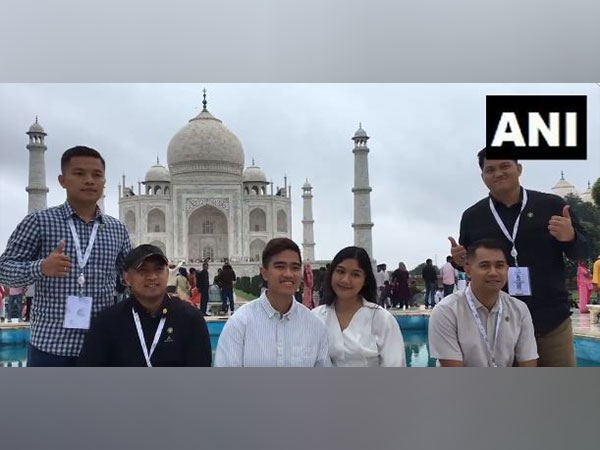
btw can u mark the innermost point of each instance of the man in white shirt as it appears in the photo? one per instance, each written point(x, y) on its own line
point(483, 326)
point(274, 330)
point(448, 276)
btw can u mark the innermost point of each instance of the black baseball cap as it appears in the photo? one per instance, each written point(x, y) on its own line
point(138, 255)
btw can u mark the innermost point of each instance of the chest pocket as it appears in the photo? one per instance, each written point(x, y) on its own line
point(302, 355)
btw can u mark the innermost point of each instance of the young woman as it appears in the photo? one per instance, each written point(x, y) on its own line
point(361, 333)
point(195, 294)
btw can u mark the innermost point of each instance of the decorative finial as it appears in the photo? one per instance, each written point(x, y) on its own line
point(562, 175)
point(589, 186)
point(359, 124)
point(157, 161)
point(252, 161)
point(204, 102)
point(36, 119)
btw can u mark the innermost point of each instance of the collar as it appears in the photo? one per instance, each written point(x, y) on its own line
point(479, 305)
point(498, 204)
point(68, 211)
point(266, 304)
point(162, 311)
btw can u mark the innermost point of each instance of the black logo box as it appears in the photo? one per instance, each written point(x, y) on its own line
point(521, 106)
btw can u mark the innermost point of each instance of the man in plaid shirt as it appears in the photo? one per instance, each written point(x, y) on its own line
point(43, 250)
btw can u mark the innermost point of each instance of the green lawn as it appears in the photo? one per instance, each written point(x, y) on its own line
point(244, 295)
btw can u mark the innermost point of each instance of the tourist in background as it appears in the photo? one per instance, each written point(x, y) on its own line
point(195, 293)
point(203, 285)
point(29, 294)
point(430, 279)
point(172, 280)
point(182, 285)
point(585, 286)
point(596, 276)
point(226, 279)
point(448, 276)
point(308, 281)
point(400, 282)
point(3, 294)
point(361, 333)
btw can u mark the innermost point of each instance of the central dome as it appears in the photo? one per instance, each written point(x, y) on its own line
point(205, 145)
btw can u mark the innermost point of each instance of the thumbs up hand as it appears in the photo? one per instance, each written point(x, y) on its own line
point(561, 226)
point(458, 252)
point(57, 264)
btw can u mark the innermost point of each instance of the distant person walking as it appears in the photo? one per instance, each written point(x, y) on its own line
point(226, 280)
point(585, 286)
point(448, 276)
point(400, 283)
point(430, 278)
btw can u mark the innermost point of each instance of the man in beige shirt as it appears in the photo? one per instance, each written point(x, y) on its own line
point(483, 326)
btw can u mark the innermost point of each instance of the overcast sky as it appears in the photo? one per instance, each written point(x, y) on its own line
point(424, 138)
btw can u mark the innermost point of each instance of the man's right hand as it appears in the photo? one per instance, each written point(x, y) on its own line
point(458, 252)
point(57, 264)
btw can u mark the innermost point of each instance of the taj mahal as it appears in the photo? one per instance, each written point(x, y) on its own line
point(205, 205)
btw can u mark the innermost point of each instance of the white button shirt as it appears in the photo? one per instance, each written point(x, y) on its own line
point(371, 339)
point(453, 333)
point(259, 336)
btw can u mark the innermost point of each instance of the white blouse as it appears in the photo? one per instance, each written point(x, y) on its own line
point(371, 339)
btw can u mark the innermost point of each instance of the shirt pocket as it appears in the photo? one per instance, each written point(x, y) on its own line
point(302, 356)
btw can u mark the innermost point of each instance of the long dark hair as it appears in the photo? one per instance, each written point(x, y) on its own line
point(368, 291)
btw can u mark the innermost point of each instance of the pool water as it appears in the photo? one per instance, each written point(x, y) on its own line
point(414, 332)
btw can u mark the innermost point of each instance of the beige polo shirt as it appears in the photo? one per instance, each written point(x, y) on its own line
point(453, 333)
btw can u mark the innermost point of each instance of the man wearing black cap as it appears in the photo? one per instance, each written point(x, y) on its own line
point(149, 328)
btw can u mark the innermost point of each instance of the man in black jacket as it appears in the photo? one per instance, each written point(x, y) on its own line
point(149, 328)
point(203, 285)
point(430, 278)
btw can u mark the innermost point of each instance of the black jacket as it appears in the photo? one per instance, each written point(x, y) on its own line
point(113, 340)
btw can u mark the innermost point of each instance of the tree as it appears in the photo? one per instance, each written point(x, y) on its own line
point(596, 193)
point(588, 216)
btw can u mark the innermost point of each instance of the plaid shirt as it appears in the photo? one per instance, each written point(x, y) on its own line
point(35, 238)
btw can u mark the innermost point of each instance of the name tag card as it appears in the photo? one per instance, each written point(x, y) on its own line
point(78, 312)
point(518, 281)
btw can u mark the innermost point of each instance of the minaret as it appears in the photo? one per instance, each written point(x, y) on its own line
point(37, 188)
point(362, 193)
point(308, 237)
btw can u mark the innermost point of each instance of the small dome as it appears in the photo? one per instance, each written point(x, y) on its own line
point(158, 173)
point(563, 188)
point(254, 174)
point(360, 133)
point(36, 128)
point(306, 185)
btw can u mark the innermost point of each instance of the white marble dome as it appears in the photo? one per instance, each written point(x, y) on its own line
point(36, 128)
point(205, 145)
point(158, 173)
point(254, 174)
point(563, 188)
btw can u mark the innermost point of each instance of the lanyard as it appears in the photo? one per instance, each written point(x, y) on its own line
point(512, 238)
point(82, 259)
point(138, 326)
point(482, 330)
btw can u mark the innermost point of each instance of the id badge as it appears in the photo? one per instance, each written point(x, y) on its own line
point(518, 281)
point(78, 312)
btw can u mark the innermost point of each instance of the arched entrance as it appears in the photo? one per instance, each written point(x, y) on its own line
point(208, 234)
